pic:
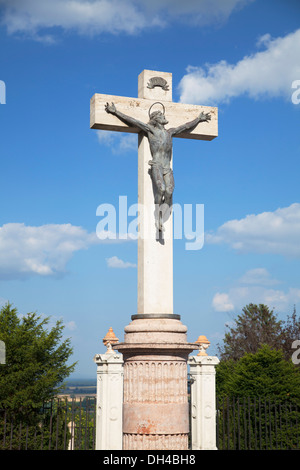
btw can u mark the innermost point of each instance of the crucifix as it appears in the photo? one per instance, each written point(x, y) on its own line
point(147, 116)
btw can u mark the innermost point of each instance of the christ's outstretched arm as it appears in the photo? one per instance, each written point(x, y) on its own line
point(110, 108)
point(188, 126)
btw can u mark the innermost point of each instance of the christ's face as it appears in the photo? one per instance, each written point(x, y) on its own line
point(160, 118)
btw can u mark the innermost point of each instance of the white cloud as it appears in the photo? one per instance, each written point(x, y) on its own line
point(256, 292)
point(112, 16)
point(258, 276)
point(85, 17)
point(222, 303)
point(275, 232)
point(267, 73)
point(115, 262)
point(236, 298)
point(119, 142)
point(196, 11)
point(43, 250)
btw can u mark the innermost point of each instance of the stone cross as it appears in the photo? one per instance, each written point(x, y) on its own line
point(155, 257)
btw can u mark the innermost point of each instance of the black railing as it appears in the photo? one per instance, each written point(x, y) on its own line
point(70, 424)
point(62, 424)
point(257, 424)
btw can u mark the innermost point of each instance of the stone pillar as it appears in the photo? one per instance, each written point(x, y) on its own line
point(109, 400)
point(203, 401)
point(155, 409)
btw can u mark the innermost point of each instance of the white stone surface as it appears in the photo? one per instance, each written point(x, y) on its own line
point(109, 420)
point(176, 113)
point(203, 402)
point(157, 93)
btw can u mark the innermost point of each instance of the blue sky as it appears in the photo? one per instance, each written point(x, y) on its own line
point(241, 56)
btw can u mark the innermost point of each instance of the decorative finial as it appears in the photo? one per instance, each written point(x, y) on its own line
point(109, 340)
point(203, 345)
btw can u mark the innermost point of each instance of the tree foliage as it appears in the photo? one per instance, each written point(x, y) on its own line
point(258, 325)
point(256, 357)
point(265, 373)
point(258, 385)
point(36, 359)
point(258, 401)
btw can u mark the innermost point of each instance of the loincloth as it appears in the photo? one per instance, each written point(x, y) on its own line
point(165, 171)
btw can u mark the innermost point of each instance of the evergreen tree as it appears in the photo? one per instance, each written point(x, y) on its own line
point(257, 325)
point(291, 332)
point(36, 365)
point(264, 373)
point(258, 386)
point(36, 359)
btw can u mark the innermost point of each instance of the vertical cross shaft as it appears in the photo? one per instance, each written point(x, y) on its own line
point(155, 257)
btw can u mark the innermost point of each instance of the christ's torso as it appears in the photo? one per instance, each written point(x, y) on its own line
point(160, 142)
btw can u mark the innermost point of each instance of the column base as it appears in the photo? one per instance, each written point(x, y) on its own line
point(155, 408)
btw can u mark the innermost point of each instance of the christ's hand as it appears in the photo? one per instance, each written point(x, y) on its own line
point(110, 108)
point(205, 116)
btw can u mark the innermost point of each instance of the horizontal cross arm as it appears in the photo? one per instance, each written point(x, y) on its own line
point(176, 113)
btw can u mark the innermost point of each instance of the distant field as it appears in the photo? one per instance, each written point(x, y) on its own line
point(81, 382)
point(79, 387)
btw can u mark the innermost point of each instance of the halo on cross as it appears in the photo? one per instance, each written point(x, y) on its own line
point(156, 102)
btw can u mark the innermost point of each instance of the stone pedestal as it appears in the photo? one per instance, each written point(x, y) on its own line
point(155, 407)
point(203, 401)
point(109, 401)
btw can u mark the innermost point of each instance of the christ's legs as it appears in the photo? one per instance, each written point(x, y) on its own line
point(166, 207)
point(159, 184)
point(163, 186)
point(169, 182)
point(159, 188)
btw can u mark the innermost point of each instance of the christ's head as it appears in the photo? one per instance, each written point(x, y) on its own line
point(158, 117)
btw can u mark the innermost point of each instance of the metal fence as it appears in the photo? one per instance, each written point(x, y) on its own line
point(62, 424)
point(257, 424)
point(70, 424)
